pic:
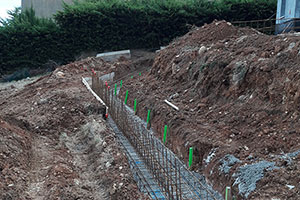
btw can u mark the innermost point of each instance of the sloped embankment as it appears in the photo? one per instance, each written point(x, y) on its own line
point(54, 143)
point(239, 97)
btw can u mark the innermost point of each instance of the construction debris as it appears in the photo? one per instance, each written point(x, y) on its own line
point(172, 105)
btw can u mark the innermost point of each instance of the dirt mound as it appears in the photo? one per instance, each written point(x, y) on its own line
point(239, 96)
point(210, 33)
point(14, 150)
point(239, 65)
point(193, 43)
point(55, 145)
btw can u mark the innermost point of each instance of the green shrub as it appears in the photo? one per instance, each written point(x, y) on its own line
point(28, 42)
point(105, 25)
point(117, 24)
point(244, 10)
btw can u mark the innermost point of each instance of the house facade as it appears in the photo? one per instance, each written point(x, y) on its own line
point(288, 15)
point(44, 8)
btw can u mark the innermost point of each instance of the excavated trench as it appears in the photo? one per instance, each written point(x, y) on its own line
point(156, 169)
point(54, 144)
point(145, 181)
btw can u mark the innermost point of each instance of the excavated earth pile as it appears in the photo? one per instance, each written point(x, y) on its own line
point(54, 143)
point(238, 93)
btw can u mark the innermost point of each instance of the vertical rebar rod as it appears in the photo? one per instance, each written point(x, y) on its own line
point(179, 178)
point(162, 163)
point(176, 178)
point(167, 174)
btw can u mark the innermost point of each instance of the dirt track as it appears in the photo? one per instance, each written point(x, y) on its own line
point(54, 143)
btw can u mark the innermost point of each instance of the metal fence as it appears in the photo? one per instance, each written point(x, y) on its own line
point(173, 177)
point(272, 26)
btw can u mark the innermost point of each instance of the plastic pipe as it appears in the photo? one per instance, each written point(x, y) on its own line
point(126, 97)
point(191, 157)
point(148, 117)
point(135, 103)
point(227, 193)
point(165, 134)
point(172, 105)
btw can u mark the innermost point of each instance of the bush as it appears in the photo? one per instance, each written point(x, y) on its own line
point(246, 10)
point(117, 24)
point(28, 42)
point(105, 25)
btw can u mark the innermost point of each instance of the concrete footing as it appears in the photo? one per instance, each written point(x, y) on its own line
point(115, 55)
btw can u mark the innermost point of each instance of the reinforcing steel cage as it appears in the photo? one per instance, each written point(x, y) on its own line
point(173, 177)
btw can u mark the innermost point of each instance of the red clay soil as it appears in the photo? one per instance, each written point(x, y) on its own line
point(238, 92)
point(55, 145)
